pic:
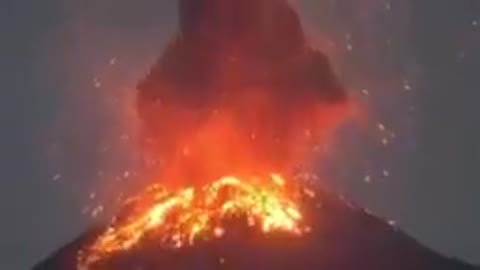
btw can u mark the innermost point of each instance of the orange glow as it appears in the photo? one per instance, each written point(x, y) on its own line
point(251, 135)
point(178, 218)
point(225, 114)
point(215, 163)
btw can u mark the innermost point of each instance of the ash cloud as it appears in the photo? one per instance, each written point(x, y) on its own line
point(249, 61)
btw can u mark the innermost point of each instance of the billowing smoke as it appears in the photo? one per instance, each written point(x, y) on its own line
point(237, 90)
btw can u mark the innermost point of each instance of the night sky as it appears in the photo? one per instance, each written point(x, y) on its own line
point(67, 68)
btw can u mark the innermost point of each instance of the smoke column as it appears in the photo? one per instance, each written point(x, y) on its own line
point(239, 91)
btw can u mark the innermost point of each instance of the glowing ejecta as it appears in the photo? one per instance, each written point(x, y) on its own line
point(179, 218)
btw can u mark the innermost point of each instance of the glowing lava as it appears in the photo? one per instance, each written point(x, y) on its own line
point(178, 218)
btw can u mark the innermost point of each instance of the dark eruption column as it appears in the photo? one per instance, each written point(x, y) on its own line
point(242, 71)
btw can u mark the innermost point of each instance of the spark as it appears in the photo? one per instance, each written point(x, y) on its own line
point(56, 177)
point(388, 6)
point(367, 179)
point(349, 47)
point(385, 141)
point(97, 211)
point(97, 83)
point(406, 85)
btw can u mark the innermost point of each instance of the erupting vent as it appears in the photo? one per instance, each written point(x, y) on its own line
point(178, 218)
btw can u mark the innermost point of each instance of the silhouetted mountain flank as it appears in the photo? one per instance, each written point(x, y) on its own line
point(343, 237)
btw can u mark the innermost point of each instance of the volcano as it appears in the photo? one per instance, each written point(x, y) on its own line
point(229, 112)
point(342, 237)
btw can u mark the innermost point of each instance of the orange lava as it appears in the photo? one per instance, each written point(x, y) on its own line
point(178, 218)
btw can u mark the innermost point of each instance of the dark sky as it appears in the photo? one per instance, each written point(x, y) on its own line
point(414, 64)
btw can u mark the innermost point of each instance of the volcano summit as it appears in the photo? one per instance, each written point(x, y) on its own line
point(342, 237)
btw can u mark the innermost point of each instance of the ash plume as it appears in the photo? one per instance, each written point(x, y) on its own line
point(240, 74)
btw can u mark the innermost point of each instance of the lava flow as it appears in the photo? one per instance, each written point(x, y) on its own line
point(178, 218)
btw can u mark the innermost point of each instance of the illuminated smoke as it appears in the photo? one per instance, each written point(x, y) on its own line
point(238, 90)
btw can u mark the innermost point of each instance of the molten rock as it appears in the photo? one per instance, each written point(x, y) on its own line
point(179, 218)
point(339, 237)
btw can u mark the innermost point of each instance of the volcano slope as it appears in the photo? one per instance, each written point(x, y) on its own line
point(342, 237)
